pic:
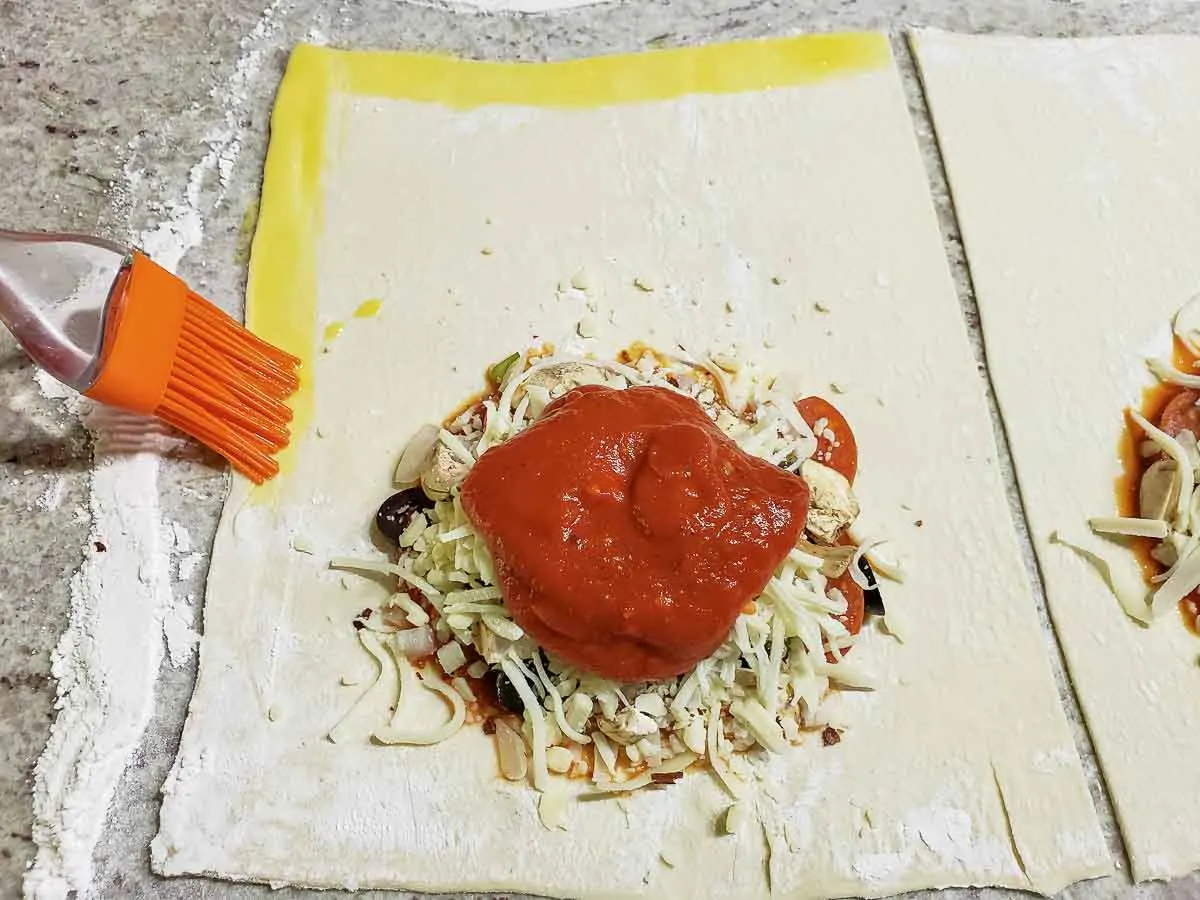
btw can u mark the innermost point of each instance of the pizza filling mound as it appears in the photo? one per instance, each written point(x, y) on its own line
point(623, 568)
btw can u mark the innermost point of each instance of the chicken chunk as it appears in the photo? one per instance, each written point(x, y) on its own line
point(445, 472)
point(831, 504)
point(629, 726)
point(560, 378)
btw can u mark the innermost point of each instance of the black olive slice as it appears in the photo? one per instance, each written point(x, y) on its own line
point(397, 511)
point(872, 599)
point(506, 693)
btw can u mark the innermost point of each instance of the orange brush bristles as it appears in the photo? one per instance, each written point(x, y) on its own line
point(170, 353)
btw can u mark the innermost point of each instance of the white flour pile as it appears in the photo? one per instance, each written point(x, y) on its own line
point(123, 609)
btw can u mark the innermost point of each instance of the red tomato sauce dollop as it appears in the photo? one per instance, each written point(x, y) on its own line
point(628, 531)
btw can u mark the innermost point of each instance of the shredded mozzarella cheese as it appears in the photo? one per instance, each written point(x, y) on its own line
point(762, 687)
point(1133, 527)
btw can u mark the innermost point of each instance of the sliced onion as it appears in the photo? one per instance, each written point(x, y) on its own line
point(514, 761)
point(415, 458)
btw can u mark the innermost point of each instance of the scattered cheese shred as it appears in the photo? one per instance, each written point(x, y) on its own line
point(1133, 527)
point(1128, 589)
point(552, 809)
point(382, 692)
point(396, 734)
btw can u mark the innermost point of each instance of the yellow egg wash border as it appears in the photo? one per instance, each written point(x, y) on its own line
point(281, 291)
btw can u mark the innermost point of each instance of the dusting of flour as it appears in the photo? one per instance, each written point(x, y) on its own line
point(124, 614)
point(123, 610)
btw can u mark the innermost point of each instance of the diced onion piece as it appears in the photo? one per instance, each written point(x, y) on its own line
point(1128, 525)
point(451, 657)
point(414, 642)
point(888, 566)
point(559, 759)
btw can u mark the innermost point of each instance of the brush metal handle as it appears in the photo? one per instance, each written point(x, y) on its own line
point(54, 289)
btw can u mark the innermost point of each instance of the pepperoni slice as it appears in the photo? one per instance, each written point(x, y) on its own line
point(836, 446)
point(852, 618)
point(1181, 414)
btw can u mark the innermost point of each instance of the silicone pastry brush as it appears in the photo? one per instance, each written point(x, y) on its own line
point(120, 329)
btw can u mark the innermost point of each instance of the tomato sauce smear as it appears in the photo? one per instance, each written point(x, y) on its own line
point(1173, 409)
point(628, 531)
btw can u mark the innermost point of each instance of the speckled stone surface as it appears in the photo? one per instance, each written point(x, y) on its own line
point(92, 91)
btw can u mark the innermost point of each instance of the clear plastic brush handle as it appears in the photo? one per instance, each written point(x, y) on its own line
point(54, 289)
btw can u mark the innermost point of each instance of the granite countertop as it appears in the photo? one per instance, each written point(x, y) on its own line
point(105, 110)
